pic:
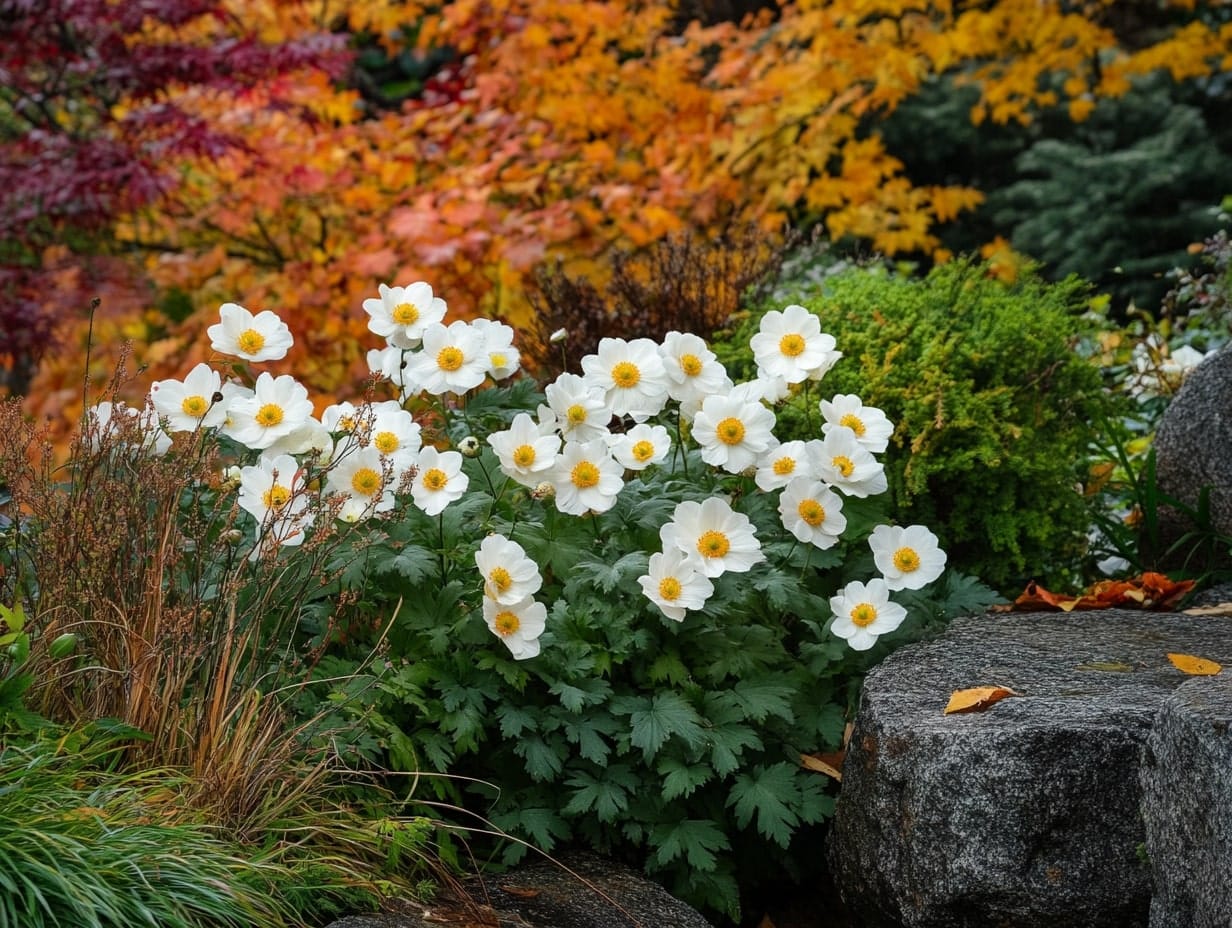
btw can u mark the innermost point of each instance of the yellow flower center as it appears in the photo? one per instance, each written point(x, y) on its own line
point(506, 623)
point(691, 364)
point(853, 422)
point(449, 358)
point(195, 406)
point(576, 414)
point(524, 455)
point(584, 475)
point(386, 442)
point(626, 375)
point(784, 466)
point(669, 589)
point(791, 345)
point(366, 481)
point(730, 431)
point(713, 544)
point(268, 415)
point(405, 314)
point(250, 341)
point(643, 450)
point(500, 579)
point(843, 464)
point(347, 423)
point(906, 560)
point(812, 512)
point(276, 497)
point(435, 479)
point(864, 614)
point(497, 361)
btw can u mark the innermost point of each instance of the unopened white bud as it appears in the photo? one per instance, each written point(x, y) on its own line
point(543, 490)
point(558, 336)
point(469, 446)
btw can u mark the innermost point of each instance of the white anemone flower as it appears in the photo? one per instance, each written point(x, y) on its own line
point(394, 433)
point(438, 480)
point(791, 345)
point(263, 337)
point(841, 461)
point(192, 403)
point(641, 446)
point(518, 625)
point(863, 611)
point(732, 433)
point(782, 464)
point(102, 424)
point(277, 407)
point(586, 478)
point(394, 365)
point(579, 408)
point(812, 512)
point(631, 376)
point(870, 425)
point(310, 437)
point(713, 536)
point(503, 358)
point(361, 477)
point(272, 491)
point(772, 390)
point(909, 558)
point(675, 584)
point(453, 359)
point(509, 576)
point(341, 417)
point(525, 450)
point(401, 314)
point(693, 372)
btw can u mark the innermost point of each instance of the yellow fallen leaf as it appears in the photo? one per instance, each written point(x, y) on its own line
point(1220, 609)
point(1196, 666)
point(977, 699)
point(816, 762)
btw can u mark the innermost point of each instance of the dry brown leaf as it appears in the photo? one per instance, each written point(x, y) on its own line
point(977, 699)
point(1195, 666)
point(1218, 609)
point(830, 764)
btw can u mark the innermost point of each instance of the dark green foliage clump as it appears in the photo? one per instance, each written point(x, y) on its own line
point(994, 409)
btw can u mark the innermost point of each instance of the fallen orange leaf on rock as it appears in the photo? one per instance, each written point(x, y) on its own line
point(1195, 666)
point(1149, 591)
point(830, 764)
point(977, 699)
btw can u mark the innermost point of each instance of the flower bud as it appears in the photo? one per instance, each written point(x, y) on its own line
point(231, 476)
point(63, 646)
point(469, 446)
point(558, 336)
point(234, 536)
point(543, 491)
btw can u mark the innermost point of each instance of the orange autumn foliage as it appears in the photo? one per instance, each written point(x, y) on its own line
point(583, 126)
point(1149, 591)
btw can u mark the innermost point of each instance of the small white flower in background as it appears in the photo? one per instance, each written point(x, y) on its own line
point(631, 376)
point(870, 425)
point(841, 461)
point(360, 475)
point(782, 464)
point(578, 407)
point(263, 337)
point(641, 446)
point(394, 433)
point(401, 314)
point(909, 558)
point(503, 358)
point(187, 405)
point(277, 407)
point(674, 584)
point(438, 480)
point(863, 611)
point(231, 391)
point(812, 512)
point(733, 433)
point(102, 424)
point(341, 417)
point(1158, 370)
point(791, 345)
point(761, 390)
point(453, 359)
point(509, 576)
point(518, 625)
point(558, 336)
point(394, 365)
point(310, 437)
point(586, 478)
point(272, 492)
point(525, 450)
point(713, 536)
point(693, 372)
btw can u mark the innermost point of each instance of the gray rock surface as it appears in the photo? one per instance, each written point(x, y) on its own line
point(597, 894)
point(1026, 814)
point(1187, 806)
point(1191, 446)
